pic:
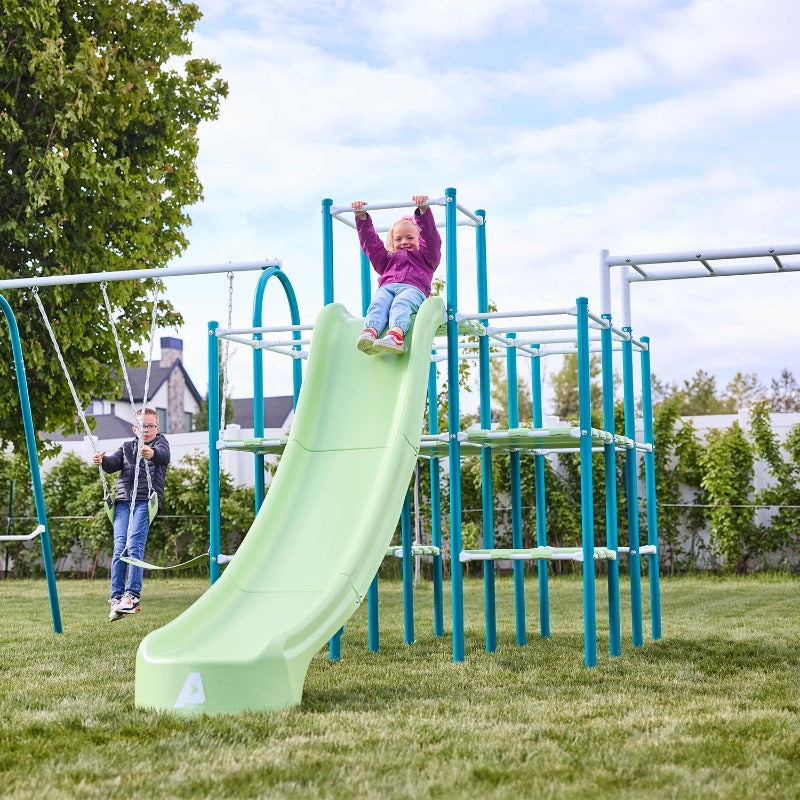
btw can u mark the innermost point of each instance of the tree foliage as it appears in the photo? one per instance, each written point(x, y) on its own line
point(98, 143)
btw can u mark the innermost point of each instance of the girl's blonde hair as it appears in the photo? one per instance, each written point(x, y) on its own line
point(390, 233)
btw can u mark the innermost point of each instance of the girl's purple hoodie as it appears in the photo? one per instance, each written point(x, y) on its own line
point(415, 267)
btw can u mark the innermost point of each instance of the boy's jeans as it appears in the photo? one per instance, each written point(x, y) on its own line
point(395, 303)
point(139, 531)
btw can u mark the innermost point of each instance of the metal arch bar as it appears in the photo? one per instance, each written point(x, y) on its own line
point(136, 274)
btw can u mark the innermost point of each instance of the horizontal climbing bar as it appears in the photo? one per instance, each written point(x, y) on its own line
point(264, 329)
point(416, 550)
point(536, 554)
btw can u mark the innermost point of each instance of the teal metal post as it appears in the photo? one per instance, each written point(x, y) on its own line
point(327, 251)
point(213, 453)
point(436, 505)
point(587, 510)
point(487, 478)
point(454, 426)
point(334, 646)
point(541, 510)
point(33, 464)
point(373, 620)
point(408, 572)
point(632, 492)
point(515, 471)
point(610, 465)
point(650, 492)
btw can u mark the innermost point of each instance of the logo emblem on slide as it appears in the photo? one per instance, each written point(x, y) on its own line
point(192, 692)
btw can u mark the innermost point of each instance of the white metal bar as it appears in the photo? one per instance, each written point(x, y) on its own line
point(436, 201)
point(265, 329)
point(541, 312)
point(697, 255)
point(719, 272)
point(160, 273)
point(37, 532)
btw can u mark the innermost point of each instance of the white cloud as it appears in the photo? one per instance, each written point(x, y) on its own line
point(660, 132)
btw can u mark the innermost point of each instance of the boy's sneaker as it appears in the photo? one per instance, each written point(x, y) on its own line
point(129, 604)
point(391, 343)
point(366, 341)
point(113, 614)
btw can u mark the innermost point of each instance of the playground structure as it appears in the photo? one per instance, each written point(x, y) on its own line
point(305, 567)
point(207, 660)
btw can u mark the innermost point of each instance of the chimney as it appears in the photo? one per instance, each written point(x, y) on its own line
point(171, 350)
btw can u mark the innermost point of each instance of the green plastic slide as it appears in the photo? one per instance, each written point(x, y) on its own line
point(318, 540)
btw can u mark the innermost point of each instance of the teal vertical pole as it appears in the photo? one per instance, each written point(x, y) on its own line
point(373, 619)
point(366, 283)
point(610, 468)
point(408, 572)
point(334, 647)
point(327, 252)
point(454, 426)
point(632, 493)
point(587, 509)
point(487, 488)
point(515, 472)
point(541, 510)
point(436, 505)
point(650, 492)
point(33, 464)
point(213, 453)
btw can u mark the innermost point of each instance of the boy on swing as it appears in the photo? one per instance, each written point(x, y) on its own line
point(126, 579)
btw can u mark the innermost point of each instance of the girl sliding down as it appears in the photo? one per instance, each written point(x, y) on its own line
point(406, 265)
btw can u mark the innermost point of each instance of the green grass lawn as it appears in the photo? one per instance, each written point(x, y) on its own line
point(710, 711)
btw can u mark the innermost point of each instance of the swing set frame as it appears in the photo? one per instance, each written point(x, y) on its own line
point(42, 529)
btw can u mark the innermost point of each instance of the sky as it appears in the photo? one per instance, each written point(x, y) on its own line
point(635, 126)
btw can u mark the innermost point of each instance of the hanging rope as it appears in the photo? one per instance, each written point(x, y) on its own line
point(107, 500)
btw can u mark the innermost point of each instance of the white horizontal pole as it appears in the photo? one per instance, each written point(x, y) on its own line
point(337, 210)
point(541, 312)
point(160, 273)
point(37, 532)
point(704, 255)
point(719, 272)
point(264, 329)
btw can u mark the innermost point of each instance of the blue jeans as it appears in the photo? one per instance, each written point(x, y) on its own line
point(393, 303)
point(126, 577)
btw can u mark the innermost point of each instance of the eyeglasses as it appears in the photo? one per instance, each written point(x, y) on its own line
point(149, 427)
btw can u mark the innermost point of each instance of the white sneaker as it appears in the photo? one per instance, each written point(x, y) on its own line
point(366, 340)
point(129, 604)
point(391, 343)
point(113, 614)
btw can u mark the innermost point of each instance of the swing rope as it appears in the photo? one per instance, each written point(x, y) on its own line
point(152, 498)
point(107, 500)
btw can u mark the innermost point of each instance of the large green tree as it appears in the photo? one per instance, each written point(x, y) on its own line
point(99, 109)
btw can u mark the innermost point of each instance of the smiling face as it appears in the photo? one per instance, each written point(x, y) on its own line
point(150, 428)
point(405, 236)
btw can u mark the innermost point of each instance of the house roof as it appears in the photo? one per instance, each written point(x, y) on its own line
point(276, 411)
point(158, 376)
point(108, 427)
